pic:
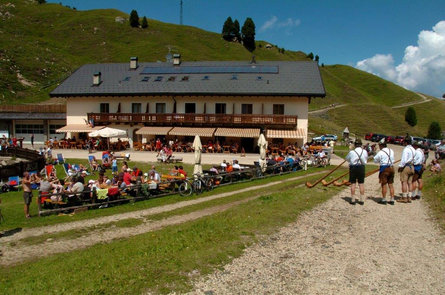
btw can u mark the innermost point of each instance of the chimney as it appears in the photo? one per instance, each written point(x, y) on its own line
point(176, 59)
point(133, 63)
point(96, 78)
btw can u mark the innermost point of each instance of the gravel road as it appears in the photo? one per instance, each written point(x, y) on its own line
point(338, 248)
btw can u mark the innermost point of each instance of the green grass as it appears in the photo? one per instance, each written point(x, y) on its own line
point(131, 222)
point(165, 260)
point(434, 194)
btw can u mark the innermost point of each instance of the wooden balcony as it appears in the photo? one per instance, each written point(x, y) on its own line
point(211, 120)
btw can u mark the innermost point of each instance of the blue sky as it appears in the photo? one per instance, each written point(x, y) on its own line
point(351, 32)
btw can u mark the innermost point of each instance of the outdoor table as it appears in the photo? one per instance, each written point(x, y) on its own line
point(226, 148)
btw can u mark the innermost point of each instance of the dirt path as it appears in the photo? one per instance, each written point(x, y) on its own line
point(424, 99)
point(338, 248)
point(14, 251)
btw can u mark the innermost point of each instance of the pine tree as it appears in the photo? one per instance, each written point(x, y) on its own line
point(248, 34)
point(41, 1)
point(236, 30)
point(434, 131)
point(310, 55)
point(144, 23)
point(227, 29)
point(134, 19)
point(410, 116)
point(317, 58)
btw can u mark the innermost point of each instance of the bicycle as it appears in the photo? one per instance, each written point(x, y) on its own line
point(198, 185)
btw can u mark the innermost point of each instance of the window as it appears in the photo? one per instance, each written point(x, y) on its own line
point(136, 108)
point(29, 128)
point(126, 79)
point(145, 79)
point(206, 78)
point(158, 79)
point(185, 78)
point(246, 108)
point(220, 108)
point(259, 78)
point(160, 108)
point(171, 78)
point(190, 108)
point(234, 77)
point(104, 107)
point(53, 128)
point(278, 109)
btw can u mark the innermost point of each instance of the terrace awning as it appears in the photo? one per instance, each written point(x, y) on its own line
point(189, 131)
point(285, 133)
point(154, 130)
point(238, 132)
point(78, 128)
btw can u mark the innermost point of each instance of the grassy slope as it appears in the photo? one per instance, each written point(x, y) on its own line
point(61, 39)
point(368, 100)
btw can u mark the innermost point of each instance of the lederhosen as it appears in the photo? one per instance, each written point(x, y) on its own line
point(418, 171)
point(386, 174)
point(357, 170)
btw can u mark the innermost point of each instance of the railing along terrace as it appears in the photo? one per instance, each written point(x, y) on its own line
point(202, 119)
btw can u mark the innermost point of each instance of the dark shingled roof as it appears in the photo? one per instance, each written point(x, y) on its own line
point(296, 78)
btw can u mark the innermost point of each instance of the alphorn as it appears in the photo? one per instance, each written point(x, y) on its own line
point(325, 183)
point(369, 173)
point(309, 185)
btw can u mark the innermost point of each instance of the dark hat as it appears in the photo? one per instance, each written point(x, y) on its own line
point(358, 142)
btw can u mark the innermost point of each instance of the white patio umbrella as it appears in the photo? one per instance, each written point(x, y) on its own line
point(108, 132)
point(197, 146)
point(262, 143)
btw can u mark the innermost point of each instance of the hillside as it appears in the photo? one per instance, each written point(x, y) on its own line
point(41, 45)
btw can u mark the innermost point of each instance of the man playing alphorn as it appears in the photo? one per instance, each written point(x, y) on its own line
point(419, 161)
point(385, 158)
point(406, 170)
point(357, 159)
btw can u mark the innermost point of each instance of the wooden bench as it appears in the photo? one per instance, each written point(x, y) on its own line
point(172, 159)
point(122, 156)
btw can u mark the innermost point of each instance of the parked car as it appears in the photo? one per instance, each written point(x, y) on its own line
point(390, 139)
point(326, 137)
point(377, 137)
point(418, 139)
point(368, 136)
point(399, 140)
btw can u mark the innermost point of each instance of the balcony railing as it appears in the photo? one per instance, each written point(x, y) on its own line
point(192, 119)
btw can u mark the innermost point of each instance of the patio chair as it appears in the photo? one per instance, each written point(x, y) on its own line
point(60, 159)
point(92, 166)
point(50, 171)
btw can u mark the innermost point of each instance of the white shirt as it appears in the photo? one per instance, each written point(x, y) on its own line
point(385, 157)
point(357, 156)
point(419, 157)
point(407, 156)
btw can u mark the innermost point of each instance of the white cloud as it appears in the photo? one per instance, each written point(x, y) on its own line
point(422, 68)
point(274, 23)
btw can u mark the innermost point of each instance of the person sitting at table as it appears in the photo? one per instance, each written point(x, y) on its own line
point(217, 147)
point(181, 171)
point(236, 165)
point(214, 170)
point(229, 168)
point(224, 165)
point(168, 154)
point(124, 166)
point(127, 177)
